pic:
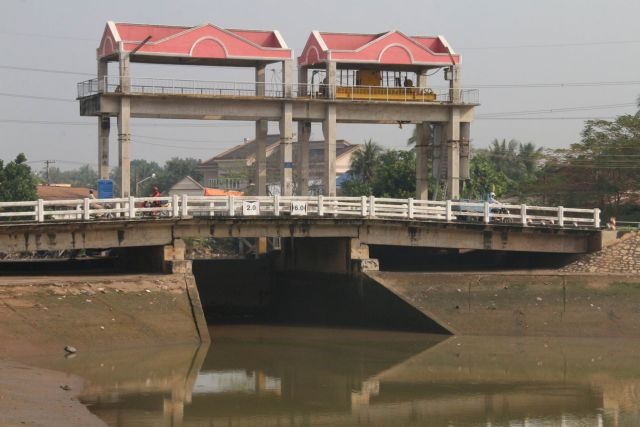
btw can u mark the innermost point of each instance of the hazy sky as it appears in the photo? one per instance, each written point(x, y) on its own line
point(584, 53)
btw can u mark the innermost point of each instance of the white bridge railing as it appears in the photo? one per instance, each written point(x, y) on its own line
point(297, 206)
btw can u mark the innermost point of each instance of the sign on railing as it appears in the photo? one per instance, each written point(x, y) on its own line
point(298, 208)
point(250, 208)
point(142, 208)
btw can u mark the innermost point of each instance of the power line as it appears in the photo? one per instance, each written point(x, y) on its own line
point(47, 36)
point(40, 98)
point(560, 109)
point(186, 147)
point(546, 118)
point(469, 86)
point(529, 46)
point(204, 141)
point(45, 70)
point(553, 85)
point(177, 125)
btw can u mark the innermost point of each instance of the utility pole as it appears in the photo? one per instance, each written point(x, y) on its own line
point(47, 163)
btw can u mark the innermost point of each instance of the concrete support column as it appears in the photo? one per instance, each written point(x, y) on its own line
point(453, 154)
point(103, 72)
point(286, 150)
point(465, 141)
point(123, 68)
point(303, 80)
point(287, 78)
point(423, 136)
point(262, 127)
point(331, 79)
point(104, 128)
point(124, 132)
point(104, 125)
point(124, 143)
point(261, 70)
point(422, 77)
point(329, 131)
point(454, 84)
point(302, 161)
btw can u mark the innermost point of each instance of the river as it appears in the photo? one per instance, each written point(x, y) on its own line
point(256, 375)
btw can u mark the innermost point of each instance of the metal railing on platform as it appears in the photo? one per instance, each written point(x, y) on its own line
point(142, 208)
point(152, 86)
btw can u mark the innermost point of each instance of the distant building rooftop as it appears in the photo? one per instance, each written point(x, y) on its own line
point(61, 192)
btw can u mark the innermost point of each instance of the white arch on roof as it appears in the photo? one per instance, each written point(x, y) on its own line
point(400, 45)
point(315, 49)
point(106, 40)
point(214, 39)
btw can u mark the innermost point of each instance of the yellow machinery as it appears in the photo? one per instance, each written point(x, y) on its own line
point(368, 86)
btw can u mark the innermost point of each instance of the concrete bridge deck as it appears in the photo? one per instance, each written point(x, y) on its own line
point(18, 237)
point(125, 222)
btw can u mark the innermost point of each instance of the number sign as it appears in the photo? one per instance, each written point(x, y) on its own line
point(299, 208)
point(250, 208)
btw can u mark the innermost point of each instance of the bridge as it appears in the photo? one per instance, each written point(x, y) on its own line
point(337, 224)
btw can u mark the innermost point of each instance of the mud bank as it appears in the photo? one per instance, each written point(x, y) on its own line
point(97, 315)
point(39, 397)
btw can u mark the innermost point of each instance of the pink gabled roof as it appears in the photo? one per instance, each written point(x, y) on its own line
point(390, 48)
point(205, 41)
point(344, 41)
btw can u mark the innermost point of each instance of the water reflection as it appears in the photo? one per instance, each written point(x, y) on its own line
point(282, 376)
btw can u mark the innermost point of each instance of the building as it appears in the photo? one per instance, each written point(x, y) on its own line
point(64, 192)
point(61, 192)
point(234, 169)
point(188, 186)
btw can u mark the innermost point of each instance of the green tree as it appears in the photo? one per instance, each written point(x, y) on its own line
point(381, 173)
point(365, 160)
point(485, 177)
point(84, 176)
point(395, 175)
point(17, 183)
point(601, 170)
point(362, 170)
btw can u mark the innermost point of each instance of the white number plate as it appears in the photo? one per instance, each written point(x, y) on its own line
point(250, 208)
point(299, 208)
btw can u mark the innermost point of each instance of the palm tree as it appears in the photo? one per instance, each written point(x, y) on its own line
point(529, 156)
point(365, 160)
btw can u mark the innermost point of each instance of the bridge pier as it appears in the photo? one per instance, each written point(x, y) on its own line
point(168, 259)
point(325, 255)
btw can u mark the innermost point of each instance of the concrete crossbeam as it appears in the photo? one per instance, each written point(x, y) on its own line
point(190, 107)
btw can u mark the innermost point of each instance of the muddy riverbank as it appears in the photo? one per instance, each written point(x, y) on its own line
point(39, 316)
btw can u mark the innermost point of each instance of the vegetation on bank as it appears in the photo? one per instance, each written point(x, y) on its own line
point(601, 170)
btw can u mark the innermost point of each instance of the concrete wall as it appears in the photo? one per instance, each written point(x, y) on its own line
point(523, 304)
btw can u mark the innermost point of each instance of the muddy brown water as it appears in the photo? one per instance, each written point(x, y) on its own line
point(254, 375)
